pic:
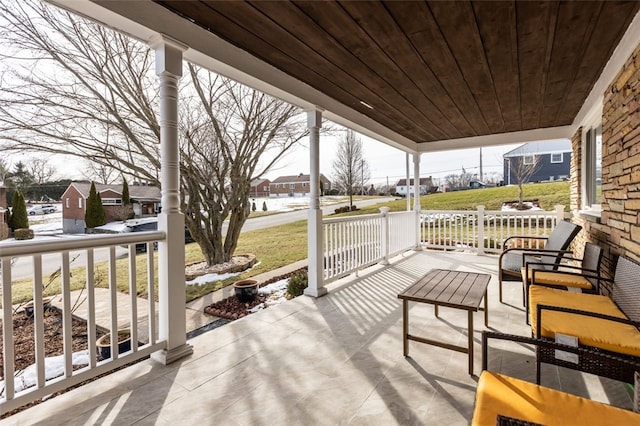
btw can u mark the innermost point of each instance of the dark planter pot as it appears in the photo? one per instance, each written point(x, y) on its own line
point(246, 290)
point(104, 343)
point(28, 308)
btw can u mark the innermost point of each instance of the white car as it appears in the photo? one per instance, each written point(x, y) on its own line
point(41, 209)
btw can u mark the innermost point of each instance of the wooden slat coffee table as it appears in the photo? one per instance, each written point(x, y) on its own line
point(453, 289)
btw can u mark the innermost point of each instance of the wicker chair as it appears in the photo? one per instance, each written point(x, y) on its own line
point(585, 277)
point(609, 326)
point(505, 400)
point(513, 259)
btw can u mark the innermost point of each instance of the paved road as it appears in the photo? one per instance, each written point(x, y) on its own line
point(22, 267)
point(288, 217)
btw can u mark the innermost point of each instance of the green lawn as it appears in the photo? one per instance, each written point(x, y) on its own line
point(281, 245)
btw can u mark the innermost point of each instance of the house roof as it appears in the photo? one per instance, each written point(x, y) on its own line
point(539, 148)
point(298, 179)
point(137, 192)
point(423, 181)
point(258, 182)
point(419, 75)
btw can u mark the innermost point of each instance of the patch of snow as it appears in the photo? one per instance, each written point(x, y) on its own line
point(213, 277)
point(275, 295)
point(530, 207)
point(53, 367)
point(208, 278)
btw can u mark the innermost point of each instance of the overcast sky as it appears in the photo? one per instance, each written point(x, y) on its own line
point(384, 161)
point(387, 162)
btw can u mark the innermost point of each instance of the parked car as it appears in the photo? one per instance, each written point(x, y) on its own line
point(41, 209)
point(151, 224)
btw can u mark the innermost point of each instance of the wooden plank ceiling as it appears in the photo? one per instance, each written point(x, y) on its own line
point(432, 70)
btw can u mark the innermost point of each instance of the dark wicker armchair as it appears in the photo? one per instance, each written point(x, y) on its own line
point(512, 260)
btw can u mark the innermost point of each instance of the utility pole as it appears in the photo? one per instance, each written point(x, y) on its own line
point(481, 180)
point(362, 176)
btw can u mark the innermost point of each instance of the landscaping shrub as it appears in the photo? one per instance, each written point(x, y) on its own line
point(95, 214)
point(253, 206)
point(18, 218)
point(264, 206)
point(297, 283)
point(23, 234)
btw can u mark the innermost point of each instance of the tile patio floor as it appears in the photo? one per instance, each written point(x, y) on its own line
point(327, 361)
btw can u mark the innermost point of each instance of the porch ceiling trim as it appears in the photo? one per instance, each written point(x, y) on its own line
point(549, 133)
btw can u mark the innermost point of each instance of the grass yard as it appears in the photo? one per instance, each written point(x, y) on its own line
point(281, 245)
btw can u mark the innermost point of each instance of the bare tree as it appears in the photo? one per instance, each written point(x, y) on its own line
point(522, 171)
point(350, 168)
point(100, 173)
point(41, 170)
point(92, 93)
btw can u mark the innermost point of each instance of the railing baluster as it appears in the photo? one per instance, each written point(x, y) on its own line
point(66, 315)
point(91, 308)
point(151, 299)
point(38, 319)
point(113, 297)
point(7, 330)
point(133, 300)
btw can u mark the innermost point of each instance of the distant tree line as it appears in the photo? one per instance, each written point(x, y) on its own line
point(35, 181)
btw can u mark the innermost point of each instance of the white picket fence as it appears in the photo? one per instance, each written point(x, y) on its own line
point(483, 231)
point(353, 243)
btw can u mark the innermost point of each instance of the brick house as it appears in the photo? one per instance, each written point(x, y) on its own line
point(145, 201)
point(554, 159)
point(605, 172)
point(296, 185)
point(260, 188)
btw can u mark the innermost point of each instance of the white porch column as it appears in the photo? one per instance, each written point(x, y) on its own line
point(416, 195)
point(408, 195)
point(314, 223)
point(172, 325)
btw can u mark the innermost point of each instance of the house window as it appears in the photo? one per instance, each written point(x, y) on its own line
point(556, 158)
point(79, 203)
point(529, 159)
point(304, 184)
point(292, 186)
point(66, 202)
point(266, 188)
point(112, 201)
point(592, 160)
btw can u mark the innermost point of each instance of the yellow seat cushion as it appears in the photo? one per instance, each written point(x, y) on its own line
point(599, 333)
point(559, 279)
point(499, 394)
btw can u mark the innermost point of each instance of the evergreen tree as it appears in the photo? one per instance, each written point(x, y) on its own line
point(126, 201)
point(18, 219)
point(264, 206)
point(94, 214)
point(253, 206)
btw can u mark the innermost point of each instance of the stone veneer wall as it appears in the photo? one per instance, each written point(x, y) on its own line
point(618, 229)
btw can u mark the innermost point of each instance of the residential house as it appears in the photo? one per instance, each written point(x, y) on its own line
point(296, 185)
point(426, 186)
point(551, 159)
point(260, 188)
point(144, 199)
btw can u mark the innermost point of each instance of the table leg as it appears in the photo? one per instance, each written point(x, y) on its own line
point(470, 331)
point(405, 326)
point(486, 310)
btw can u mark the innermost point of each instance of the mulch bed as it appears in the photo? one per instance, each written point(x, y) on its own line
point(231, 309)
point(24, 342)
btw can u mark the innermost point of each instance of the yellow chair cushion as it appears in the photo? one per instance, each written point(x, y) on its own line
point(559, 279)
point(499, 394)
point(599, 333)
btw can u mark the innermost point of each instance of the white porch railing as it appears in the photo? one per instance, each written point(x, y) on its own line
point(483, 231)
point(12, 396)
point(352, 243)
